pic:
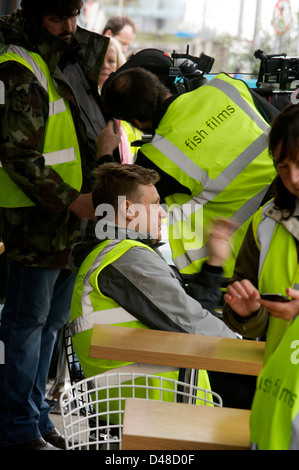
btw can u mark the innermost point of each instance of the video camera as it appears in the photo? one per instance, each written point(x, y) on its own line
point(189, 74)
point(177, 77)
point(279, 73)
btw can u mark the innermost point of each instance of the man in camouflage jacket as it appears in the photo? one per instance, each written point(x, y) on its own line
point(38, 238)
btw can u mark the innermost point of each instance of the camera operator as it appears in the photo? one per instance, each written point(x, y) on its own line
point(209, 147)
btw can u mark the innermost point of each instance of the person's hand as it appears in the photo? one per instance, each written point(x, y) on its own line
point(284, 310)
point(243, 297)
point(82, 207)
point(108, 140)
point(218, 244)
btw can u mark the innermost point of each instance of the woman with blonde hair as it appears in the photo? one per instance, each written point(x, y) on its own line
point(113, 60)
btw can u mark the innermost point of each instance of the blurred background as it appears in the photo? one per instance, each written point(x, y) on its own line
point(228, 30)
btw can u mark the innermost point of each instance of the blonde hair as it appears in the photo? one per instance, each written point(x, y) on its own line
point(120, 55)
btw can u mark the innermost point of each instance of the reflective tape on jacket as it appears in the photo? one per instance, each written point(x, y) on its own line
point(61, 148)
point(278, 267)
point(224, 180)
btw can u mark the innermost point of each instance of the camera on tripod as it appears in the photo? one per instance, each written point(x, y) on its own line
point(190, 73)
point(280, 74)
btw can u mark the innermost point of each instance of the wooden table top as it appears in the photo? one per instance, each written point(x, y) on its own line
point(155, 425)
point(180, 350)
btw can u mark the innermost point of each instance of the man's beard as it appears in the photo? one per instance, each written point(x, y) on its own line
point(67, 37)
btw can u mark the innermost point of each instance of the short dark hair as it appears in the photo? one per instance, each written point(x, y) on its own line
point(117, 23)
point(134, 94)
point(114, 180)
point(285, 130)
point(36, 9)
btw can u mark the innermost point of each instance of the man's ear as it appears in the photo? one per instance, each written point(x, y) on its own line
point(108, 33)
point(127, 211)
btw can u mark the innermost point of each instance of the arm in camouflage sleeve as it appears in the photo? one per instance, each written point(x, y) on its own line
point(23, 118)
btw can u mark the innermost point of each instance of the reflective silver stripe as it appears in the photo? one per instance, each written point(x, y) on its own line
point(240, 216)
point(228, 175)
point(83, 323)
point(60, 156)
point(264, 236)
point(179, 158)
point(190, 256)
point(101, 317)
point(231, 172)
point(295, 433)
point(57, 107)
point(21, 52)
point(235, 95)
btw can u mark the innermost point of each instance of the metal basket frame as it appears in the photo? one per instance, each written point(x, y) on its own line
point(87, 428)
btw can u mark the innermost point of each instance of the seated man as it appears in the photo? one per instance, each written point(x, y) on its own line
point(123, 281)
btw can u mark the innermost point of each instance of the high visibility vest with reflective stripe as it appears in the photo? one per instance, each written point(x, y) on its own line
point(90, 306)
point(274, 420)
point(213, 141)
point(278, 268)
point(61, 149)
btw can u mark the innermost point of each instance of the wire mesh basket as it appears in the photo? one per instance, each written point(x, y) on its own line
point(92, 410)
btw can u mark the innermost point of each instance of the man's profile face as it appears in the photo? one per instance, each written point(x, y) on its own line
point(148, 212)
point(64, 28)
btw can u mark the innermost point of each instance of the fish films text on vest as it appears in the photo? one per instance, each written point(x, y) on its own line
point(211, 126)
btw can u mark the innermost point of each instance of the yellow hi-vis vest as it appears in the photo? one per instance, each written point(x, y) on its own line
point(274, 420)
point(90, 306)
point(213, 141)
point(61, 148)
point(278, 267)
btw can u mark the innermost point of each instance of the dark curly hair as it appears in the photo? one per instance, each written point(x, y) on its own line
point(135, 93)
point(285, 131)
point(36, 9)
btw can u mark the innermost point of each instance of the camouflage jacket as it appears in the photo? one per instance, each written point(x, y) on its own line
point(42, 235)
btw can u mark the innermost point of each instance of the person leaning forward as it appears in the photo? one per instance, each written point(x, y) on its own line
point(49, 69)
point(209, 147)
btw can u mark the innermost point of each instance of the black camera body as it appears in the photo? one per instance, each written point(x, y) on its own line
point(190, 73)
point(279, 73)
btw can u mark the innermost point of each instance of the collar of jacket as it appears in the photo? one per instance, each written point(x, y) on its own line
point(291, 224)
point(90, 239)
